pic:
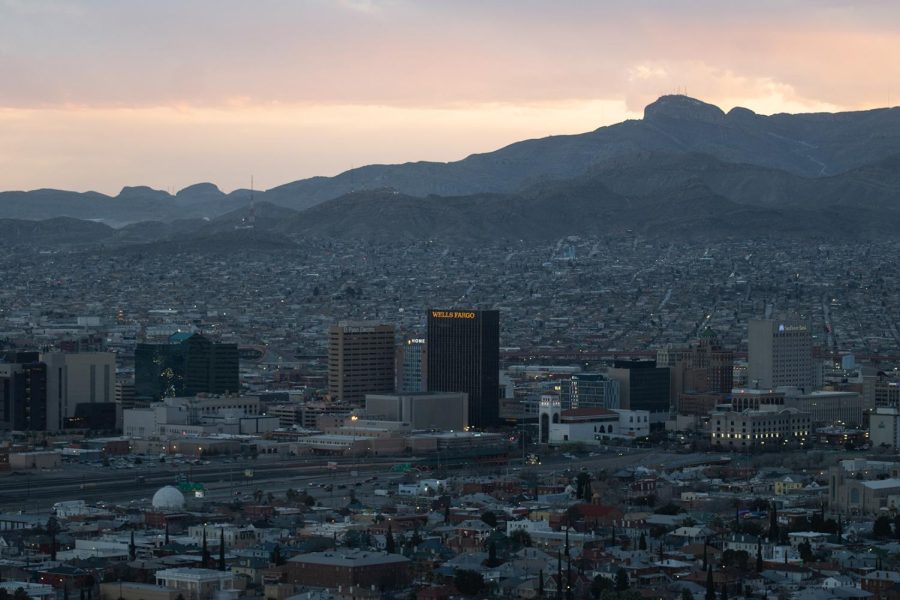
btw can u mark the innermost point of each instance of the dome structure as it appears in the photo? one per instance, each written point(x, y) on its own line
point(168, 498)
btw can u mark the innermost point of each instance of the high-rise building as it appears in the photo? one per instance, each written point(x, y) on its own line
point(189, 364)
point(588, 390)
point(78, 378)
point(642, 386)
point(704, 366)
point(780, 355)
point(412, 366)
point(361, 358)
point(23, 392)
point(464, 356)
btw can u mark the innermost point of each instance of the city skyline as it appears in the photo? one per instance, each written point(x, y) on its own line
point(102, 95)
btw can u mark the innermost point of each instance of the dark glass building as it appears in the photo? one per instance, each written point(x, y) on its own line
point(642, 386)
point(23, 392)
point(186, 366)
point(464, 356)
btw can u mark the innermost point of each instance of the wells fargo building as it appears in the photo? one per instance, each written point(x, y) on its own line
point(464, 356)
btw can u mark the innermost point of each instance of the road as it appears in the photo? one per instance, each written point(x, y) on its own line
point(38, 491)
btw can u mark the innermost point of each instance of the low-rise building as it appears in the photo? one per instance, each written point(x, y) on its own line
point(349, 568)
point(759, 429)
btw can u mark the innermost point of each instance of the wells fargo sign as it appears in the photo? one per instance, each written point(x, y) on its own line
point(451, 314)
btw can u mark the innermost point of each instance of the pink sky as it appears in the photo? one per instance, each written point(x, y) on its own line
point(101, 94)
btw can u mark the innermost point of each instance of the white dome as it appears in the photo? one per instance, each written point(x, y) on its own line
point(168, 498)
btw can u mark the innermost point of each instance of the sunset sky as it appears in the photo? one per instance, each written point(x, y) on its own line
point(95, 95)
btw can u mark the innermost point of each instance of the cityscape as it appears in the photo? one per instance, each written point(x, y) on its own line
point(487, 305)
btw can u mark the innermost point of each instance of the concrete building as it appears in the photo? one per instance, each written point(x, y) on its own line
point(884, 428)
point(755, 399)
point(73, 380)
point(703, 367)
point(349, 569)
point(780, 355)
point(861, 486)
point(198, 584)
point(424, 410)
point(590, 425)
point(769, 429)
point(360, 360)
point(829, 408)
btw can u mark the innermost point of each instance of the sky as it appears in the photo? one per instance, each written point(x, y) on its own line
point(100, 94)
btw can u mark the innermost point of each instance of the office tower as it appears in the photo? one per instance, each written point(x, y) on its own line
point(189, 364)
point(464, 356)
point(76, 379)
point(360, 360)
point(23, 392)
point(701, 370)
point(780, 354)
point(583, 390)
point(412, 366)
point(642, 386)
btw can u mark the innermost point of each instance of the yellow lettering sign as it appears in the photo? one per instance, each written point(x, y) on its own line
point(451, 314)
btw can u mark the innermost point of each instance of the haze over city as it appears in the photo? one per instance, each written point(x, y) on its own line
point(100, 95)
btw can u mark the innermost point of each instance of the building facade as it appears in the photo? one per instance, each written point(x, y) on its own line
point(360, 360)
point(187, 365)
point(642, 386)
point(23, 392)
point(412, 366)
point(759, 429)
point(423, 410)
point(464, 356)
point(583, 390)
point(780, 355)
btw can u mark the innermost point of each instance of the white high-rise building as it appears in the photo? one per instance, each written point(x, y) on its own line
point(780, 355)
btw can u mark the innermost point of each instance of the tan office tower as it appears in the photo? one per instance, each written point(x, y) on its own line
point(360, 360)
point(780, 354)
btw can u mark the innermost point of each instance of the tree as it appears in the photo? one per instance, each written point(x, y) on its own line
point(221, 549)
point(621, 580)
point(541, 584)
point(710, 586)
point(773, 524)
point(759, 559)
point(52, 529)
point(490, 518)
point(599, 585)
point(583, 486)
point(882, 527)
point(132, 549)
point(21, 594)
point(390, 546)
point(276, 558)
point(642, 542)
point(205, 551)
point(805, 550)
point(521, 537)
point(724, 591)
point(469, 583)
point(686, 594)
point(492, 554)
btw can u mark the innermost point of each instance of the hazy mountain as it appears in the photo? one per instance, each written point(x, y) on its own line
point(52, 232)
point(852, 156)
point(810, 145)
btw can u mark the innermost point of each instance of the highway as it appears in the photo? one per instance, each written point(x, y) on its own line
point(37, 491)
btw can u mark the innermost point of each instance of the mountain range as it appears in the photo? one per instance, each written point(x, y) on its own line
point(685, 169)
